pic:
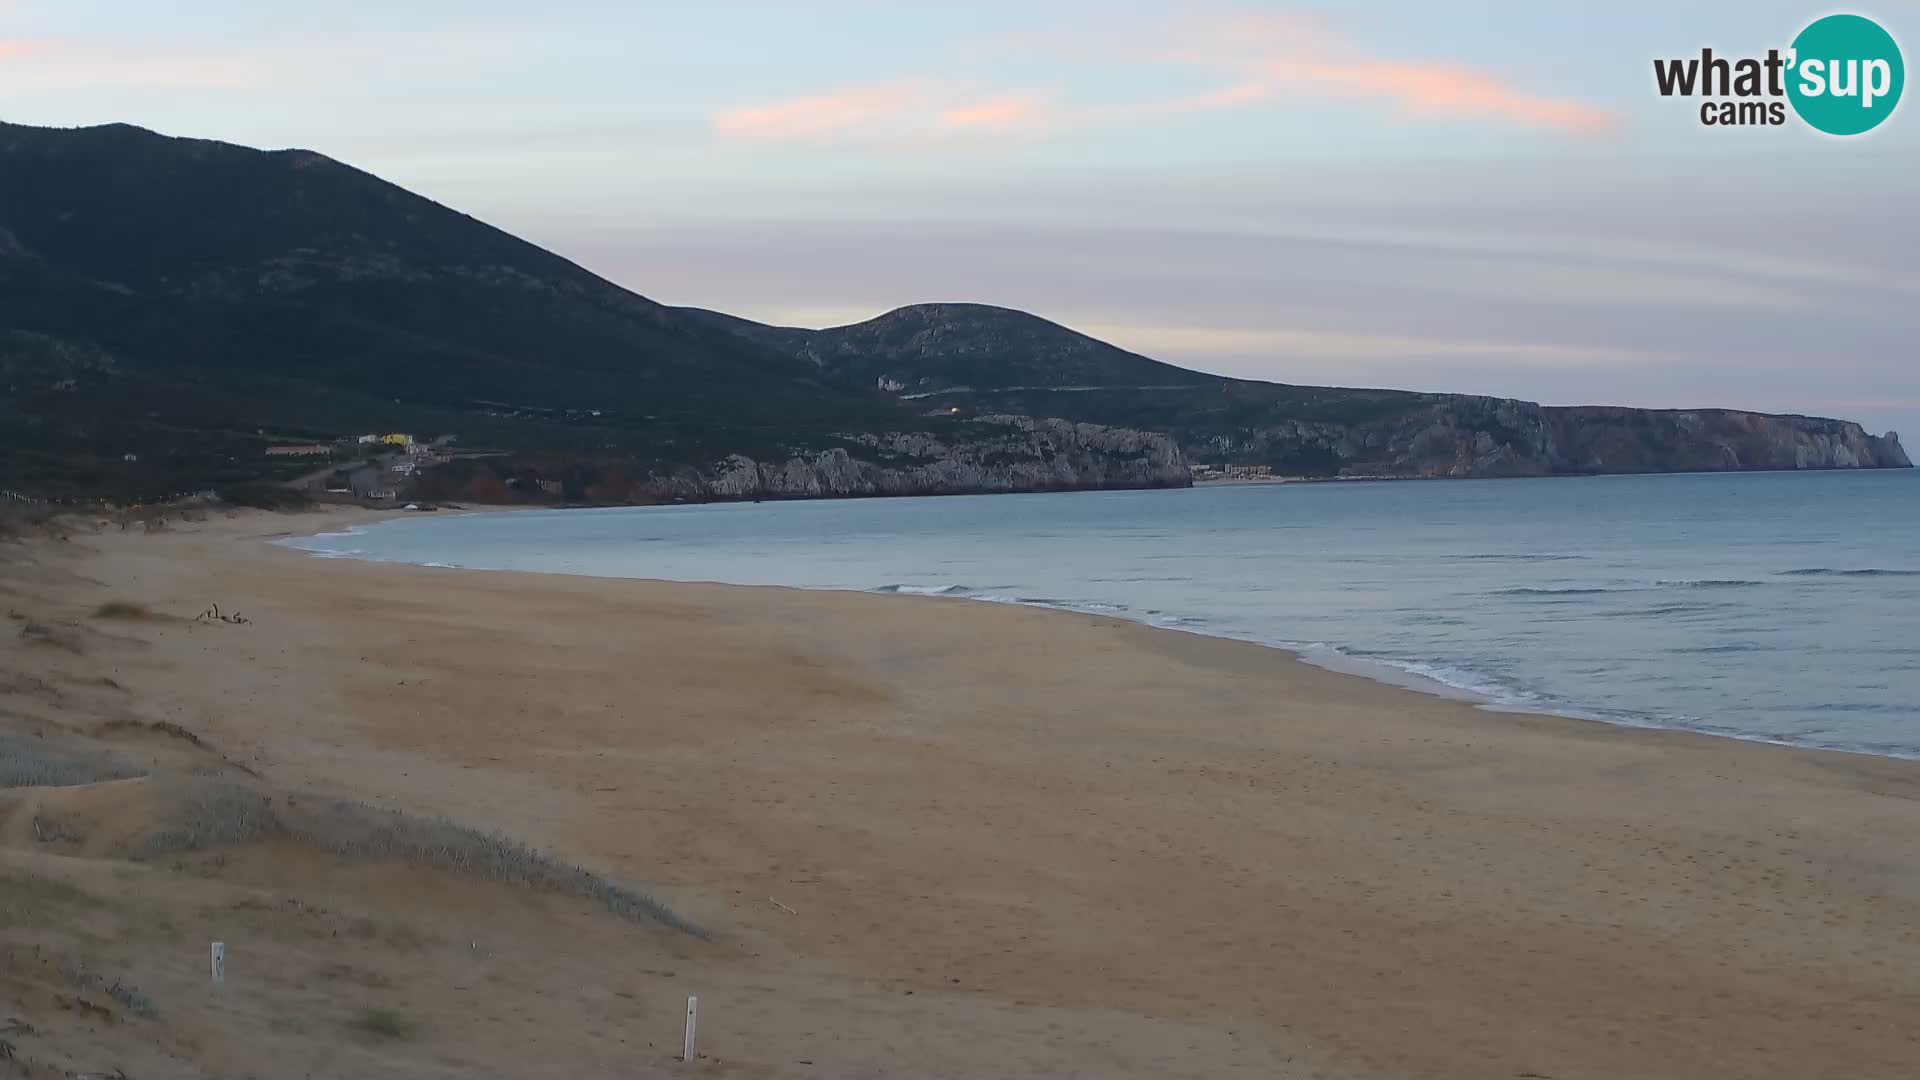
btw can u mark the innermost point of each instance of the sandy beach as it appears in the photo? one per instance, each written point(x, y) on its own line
point(927, 837)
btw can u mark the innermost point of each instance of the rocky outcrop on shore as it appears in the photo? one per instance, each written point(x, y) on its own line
point(1013, 453)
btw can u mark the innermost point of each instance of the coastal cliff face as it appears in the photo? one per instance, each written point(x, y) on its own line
point(991, 454)
point(1458, 436)
point(1027, 455)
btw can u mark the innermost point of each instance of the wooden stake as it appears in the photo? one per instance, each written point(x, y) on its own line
point(693, 1025)
point(217, 961)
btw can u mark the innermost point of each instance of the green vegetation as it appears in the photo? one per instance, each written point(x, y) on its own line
point(171, 307)
point(264, 497)
point(132, 1000)
point(129, 996)
point(121, 609)
point(381, 1023)
point(930, 347)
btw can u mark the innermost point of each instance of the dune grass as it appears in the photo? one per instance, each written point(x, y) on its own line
point(122, 609)
point(381, 1024)
point(35, 632)
point(133, 1000)
point(220, 812)
point(26, 761)
point(130, 997)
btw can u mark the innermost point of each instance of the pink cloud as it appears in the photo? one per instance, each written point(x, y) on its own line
point(894, 113)
point(843, 112)
point(1429, 89)
point(61, 65)
point(1009, 113)
point(1278, 56)
point(1259, 60)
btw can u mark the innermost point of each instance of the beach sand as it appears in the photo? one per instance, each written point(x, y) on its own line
point(929, 837)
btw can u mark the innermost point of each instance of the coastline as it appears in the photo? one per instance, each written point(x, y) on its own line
point(1414, 675)
point(1328, 658)
point(1052, 843)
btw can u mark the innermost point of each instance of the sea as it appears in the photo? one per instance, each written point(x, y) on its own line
point(1780, 607)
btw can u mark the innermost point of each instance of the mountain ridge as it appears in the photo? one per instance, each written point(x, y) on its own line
point(946, 352)
point(170, 307)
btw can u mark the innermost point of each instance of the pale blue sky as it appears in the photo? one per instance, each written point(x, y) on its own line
point(1483, 197)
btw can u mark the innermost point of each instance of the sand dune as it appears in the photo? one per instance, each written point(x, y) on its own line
point(928, 837)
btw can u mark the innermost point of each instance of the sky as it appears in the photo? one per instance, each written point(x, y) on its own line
point(1475, 197)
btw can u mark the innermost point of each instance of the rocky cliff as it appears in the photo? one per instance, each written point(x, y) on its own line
point(1026, 455)
point(1459, 436)
point(990, 454)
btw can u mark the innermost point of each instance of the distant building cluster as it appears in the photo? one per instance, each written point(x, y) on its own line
point(399, 439)
point(1231, 472)
point(379, 475)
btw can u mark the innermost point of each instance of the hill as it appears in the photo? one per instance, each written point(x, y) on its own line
point(997, 360)
point(930, 349)
point(169, 306)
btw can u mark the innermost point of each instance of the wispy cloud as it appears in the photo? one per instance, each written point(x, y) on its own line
point(834, 114)
point(1289, 343)
point(45, 66)
point(1011, 112)
point(1269, 57)
point(1440, 90)
point(1266, 61)
point(57, 64)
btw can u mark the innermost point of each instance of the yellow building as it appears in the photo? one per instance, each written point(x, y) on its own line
point(397, 440)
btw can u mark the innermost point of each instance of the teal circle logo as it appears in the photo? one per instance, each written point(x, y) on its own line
point(1846, 75)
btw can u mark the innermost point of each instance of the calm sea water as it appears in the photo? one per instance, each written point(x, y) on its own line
point(1779, 606)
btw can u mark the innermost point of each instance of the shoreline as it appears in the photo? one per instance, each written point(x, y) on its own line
point(1328, 657)
point(978, 839)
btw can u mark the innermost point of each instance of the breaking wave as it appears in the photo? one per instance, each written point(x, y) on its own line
point(1828, 571)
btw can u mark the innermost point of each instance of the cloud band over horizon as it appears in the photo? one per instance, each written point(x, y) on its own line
point(1257, 62)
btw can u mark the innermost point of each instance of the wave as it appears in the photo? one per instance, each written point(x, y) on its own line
point(1495, 691)
point(354, 554)
point(1659, 611)
point(924, 590)
point(1597, 590)
point(308, 541)
point(1532, 557)
point(1718, 650)
point(1423, 675)
point(991, 595)
point(1828, 571)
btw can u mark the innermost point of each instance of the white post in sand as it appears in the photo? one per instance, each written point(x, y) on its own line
point(217, 961)
point(693, 1024)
